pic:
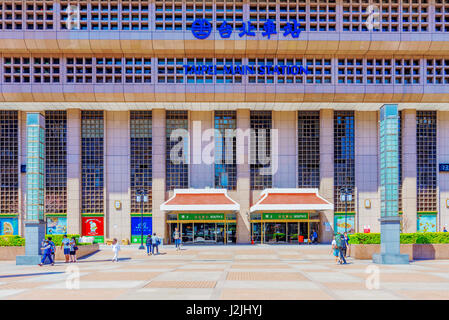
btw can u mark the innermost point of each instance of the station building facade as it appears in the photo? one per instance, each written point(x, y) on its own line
point(115, 88)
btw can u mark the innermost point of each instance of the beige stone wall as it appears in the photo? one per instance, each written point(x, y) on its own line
point(367, 170)
point(326, 171)
point(409, 170)
point(285, 122)
point(117, 175)
point(443, 177)
point(158, 175)
point(201, 174)
point(74, 171)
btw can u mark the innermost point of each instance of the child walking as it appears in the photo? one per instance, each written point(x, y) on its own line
point(47, 248)
point(115, 249)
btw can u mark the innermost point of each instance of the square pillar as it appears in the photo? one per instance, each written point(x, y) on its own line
point(443, 177)
point(409, 171)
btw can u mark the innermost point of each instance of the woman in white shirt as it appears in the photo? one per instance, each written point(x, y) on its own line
point(115, 249)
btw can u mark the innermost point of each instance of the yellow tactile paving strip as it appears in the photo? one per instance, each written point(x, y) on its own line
point(181, 284)
point(265, 276)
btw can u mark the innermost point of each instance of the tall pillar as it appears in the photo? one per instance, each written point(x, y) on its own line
point(366, 170)
point(201, 173)
point(158, 175)
point(409, 171)
point(117, 175)
point(327, 172)
point(286, 174)
point(34, 222)
point(389, 194)
point(242, 195)
point(443, 177)
point(74, 171)
point(22, 176)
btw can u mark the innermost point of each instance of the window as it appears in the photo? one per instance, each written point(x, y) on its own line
point(92, 141)
point(308, 149)
point(260, 149)
point(225, 163)
point(176, 166)
point(141, 158)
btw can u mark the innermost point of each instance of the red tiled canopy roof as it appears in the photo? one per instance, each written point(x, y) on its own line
point(293, 198)
point(200, 200)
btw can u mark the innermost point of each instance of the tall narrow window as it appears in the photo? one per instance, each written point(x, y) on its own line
point(225, 150)
point(141, 155)
point(176, 166)
point(56, 162)
point(9, 161)
point(308, 149)
point(400, 161)
point(260, 147)
point(92, 141)
point(426, 143)
point(344, 155)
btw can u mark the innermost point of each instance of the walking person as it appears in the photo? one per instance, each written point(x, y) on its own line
point(115, 249)
point(347, 244)
point(177, 238)
point(149, 245)
point(65, 245)
point(335, 250)
point(73, 249)
point(315, 236)
point(341, 244)
point(53, 248)
point(46, 254)
point(155, 243)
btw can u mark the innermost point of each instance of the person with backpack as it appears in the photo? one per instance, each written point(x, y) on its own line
point(341, 244)
point(46, 253)
point(73, 249)
point(149, 245)
point(155, 243)
point(53, 248)
point(347, 244)
point(335, 251)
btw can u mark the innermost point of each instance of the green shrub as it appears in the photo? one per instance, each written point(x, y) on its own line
point(406, 238)
point(12, 241)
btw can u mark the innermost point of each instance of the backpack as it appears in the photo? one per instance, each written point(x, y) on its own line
point(338, 241)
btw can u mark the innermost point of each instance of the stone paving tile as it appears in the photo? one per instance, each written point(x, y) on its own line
point(345, 285)
point(404, 277)
point(64, 294)
point(425, 294)
point(190, 276)
point(396, 286)
point(181, 284)
point(119, 276)
point(216, 256)
point(22, 285)
point(169, 294)
point(332, 277)
point(99, 285)
point(11, 292)
point(252, 284)
point(260, 266)
point(366, 295)
point(266, 276)
point(255, 257)
point(280, 294)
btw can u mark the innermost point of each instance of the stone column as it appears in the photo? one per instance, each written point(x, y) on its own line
point(366, 170)
point(201, 173)
point(74, 171)
point(158, 175)
point(326, 171)
point(242, 195)
point(409, 171)
point(22, 176)
point(443, 157)
point(286, 174)
point(117, 175)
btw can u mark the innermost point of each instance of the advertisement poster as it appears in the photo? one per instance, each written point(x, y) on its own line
point(9, 226)
point(56, 225)
point(136, 228)
point(93, 226)
point(427, 223)
point(340, 224)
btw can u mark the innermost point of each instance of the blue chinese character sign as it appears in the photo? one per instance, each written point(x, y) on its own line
point(201, 28)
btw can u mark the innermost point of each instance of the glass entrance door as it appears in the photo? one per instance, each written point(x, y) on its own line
point(187, 232)
point(292, 229)
point(256, 232)
point(275, 232)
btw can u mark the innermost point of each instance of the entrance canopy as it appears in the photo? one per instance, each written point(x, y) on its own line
point(200, 200)
point(291, 199)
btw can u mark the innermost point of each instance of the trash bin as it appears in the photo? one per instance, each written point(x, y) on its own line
point(300, 239)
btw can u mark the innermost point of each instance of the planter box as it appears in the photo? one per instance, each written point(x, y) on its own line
point(414, 251)
point(10, 253)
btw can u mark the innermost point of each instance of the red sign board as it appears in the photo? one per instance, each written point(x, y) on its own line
point(93, 226)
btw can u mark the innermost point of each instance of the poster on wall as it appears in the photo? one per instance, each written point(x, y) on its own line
point(9, 226)
point(56, 225)
point(93, 226)
point(136, 228)
point(341, 226)
point(427, 223)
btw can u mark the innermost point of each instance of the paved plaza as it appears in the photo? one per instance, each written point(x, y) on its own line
point(224, 272)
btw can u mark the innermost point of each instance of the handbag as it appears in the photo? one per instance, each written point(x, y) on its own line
point(75, 248)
